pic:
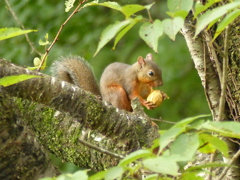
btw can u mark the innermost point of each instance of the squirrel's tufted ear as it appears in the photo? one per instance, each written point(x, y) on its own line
point(149, 57)
point(141, 61)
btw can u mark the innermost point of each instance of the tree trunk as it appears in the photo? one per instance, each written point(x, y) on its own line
point(218, 67)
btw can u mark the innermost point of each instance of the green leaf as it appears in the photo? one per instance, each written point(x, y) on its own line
point(226, 128)
point(157, 177)
point(98, 176)
point(150, 33)
point(76, 176)
point(112, 5)
point(126, 29)
point(174, 131)
point(191, 175)
point(32, 68)
point(205, 147)
point(212, 15)
point(114, 173)
point(151, 177)
point(215, 142)
point(172, 26)
point(134, 156)
point(42, 43)
point(178, 5)
point(148, 7)
point(183, 14)
point(162, 164)
point(226, 21)
point(196, 125)
point(110, 32)
point(69, 5)
point(207, 165)
point(185, 146)
point(10, 80)
point(45, 42)
point(80, 175)
point(212, 23)
point(129, 10)
point(199, 7)
point(6, 33)
point(109, 4)
point(36, 61)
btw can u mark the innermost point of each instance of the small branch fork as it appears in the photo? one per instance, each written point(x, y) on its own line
point(225, 170)
point(77, 9)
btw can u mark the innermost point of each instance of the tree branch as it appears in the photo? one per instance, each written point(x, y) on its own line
point(222, 100)
point(82, 116)
point(204, 67)
point(21, 156)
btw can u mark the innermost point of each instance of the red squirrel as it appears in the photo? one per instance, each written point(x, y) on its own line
point(119, 83)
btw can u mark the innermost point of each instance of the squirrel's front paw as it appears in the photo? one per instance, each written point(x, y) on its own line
point(149, 105)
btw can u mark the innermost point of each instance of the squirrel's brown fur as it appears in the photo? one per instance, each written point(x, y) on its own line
point(119, 84)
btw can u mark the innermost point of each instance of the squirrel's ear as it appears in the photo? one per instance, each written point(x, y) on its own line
point(141, 61)
point(149, 56)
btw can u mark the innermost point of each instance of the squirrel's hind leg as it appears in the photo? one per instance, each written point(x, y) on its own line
point(117, 96)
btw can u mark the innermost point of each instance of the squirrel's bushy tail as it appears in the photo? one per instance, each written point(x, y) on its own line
point(77, 71)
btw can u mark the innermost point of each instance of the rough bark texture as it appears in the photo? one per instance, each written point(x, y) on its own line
point(63, 117)
point(233, 78)
point(21, 156)
point(209, 59)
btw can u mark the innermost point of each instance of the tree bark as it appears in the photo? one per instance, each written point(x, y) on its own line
point(211, 58)
point(71, 123)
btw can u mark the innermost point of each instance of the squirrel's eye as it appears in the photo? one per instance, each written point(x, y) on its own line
point(150, 73)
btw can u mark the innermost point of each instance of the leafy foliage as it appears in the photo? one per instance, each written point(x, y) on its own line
point(151, 31)
point(6, 33)
point(211, 16)
point(10, 80)
point(178, 146)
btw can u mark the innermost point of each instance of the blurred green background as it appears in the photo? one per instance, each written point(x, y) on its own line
point(81, 35)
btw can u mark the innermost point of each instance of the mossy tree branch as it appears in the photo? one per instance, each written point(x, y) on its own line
point(61, 116)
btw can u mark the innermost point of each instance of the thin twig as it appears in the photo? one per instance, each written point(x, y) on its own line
point(100, 149)
point(209, 40)
point(161, 120)
point(22, 26)
point(213, 156)
point(224, 76)
point(59, 31)
point(225, 170)
point(205, 84)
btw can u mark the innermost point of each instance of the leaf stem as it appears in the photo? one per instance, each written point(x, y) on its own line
point(149, 15)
